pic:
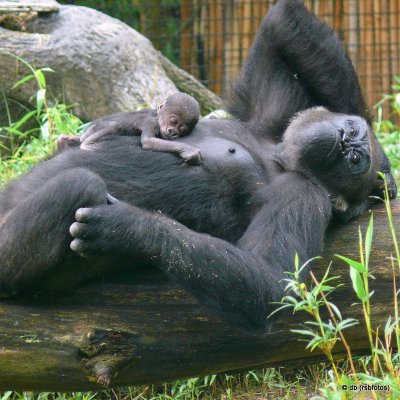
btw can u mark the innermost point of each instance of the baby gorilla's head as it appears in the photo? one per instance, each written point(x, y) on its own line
point(177, 115)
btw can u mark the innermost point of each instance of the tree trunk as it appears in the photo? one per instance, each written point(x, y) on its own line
point(141, 328)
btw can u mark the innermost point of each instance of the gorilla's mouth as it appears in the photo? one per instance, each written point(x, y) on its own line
point(342, 146)
point(165, 136)
point(337, 145)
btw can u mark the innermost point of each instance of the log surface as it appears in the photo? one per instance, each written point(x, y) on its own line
point(150, 330)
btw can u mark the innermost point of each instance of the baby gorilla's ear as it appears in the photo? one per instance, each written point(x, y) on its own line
point(160, 106)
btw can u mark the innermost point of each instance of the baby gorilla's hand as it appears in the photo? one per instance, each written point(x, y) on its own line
point(191, 156)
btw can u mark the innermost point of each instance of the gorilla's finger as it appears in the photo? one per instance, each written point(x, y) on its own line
point(78, 229)
point(111, 199)
point(83, 214)
point(96, 132)
point(78, 247)
point(90, 130)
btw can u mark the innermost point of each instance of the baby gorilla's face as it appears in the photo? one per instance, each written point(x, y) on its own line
point(177, 115)
point(172, 125)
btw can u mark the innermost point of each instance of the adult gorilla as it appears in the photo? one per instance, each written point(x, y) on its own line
point(229, 228)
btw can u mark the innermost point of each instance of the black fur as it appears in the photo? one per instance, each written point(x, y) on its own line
point(229, 228)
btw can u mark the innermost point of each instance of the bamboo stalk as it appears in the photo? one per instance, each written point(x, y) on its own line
point(247, 31)
point(361, 67)
point(235, 53)
point(397, 25)
point(394, 18)
point(352, 37)
point(186, 36)
point(205, 29)
point(217, 46)
point(337, 7)
point(378, 75)
point(369, 45)
point(385, 49)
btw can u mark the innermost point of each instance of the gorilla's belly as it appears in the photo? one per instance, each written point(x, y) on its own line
point(212, 138)
point(216, 197)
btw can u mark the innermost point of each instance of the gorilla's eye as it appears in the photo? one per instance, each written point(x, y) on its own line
point(352, 132)
point(355, 158)
point(173, 119)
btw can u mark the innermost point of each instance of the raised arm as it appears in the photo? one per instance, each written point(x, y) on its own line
point(295, 62)
point(241, 279)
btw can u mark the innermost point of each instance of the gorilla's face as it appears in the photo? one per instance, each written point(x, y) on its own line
point(339, 150)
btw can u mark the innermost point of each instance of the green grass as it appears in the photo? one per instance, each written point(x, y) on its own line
point(262, 384)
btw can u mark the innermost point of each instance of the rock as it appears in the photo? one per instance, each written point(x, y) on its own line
point(102, 65)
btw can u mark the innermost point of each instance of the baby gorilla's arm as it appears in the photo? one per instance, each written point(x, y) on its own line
point(150, 141)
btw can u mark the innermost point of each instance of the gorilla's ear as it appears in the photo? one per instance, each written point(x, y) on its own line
point(160, 106)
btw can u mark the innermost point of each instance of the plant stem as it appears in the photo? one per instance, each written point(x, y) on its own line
point(332, 315)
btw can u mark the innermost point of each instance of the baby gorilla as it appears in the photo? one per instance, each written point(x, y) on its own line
point(175, 117)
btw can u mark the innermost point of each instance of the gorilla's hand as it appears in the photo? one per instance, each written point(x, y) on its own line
point(191, 155)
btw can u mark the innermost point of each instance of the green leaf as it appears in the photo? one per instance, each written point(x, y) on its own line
point(23, 80)
point(303, 332)
point(389, 326)
point(336, 310)
point(352, 263)
point(368, 240)
point(41, 79)
point(24, 119)
point(347, 323)
point(40, 96)
point(358, 284)
point(6, 395)
point(398, 98)
point(47, 69)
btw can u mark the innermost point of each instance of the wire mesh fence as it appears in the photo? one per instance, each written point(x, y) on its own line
point(211, 38)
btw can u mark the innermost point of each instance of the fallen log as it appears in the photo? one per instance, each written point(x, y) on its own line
point(150, 330)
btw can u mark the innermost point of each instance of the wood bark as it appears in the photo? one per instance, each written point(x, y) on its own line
point(146, 329)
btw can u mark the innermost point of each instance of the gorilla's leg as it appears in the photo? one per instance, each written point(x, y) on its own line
point(34, 236)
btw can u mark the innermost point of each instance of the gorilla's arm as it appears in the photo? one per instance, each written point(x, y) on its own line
point(296, 62)
point(242, 279)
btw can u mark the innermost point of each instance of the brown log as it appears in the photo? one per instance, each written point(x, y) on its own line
point(150, 330)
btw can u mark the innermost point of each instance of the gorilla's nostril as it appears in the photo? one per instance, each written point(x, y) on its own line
point(344, 140)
